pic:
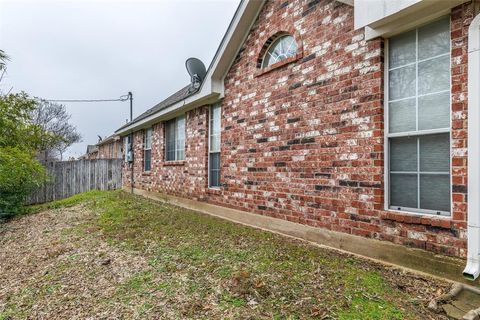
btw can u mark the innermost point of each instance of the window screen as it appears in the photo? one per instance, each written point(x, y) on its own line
point(126, 147)
point(147, 150)
point(419, 119)
point(214, 147)
point(175, 139)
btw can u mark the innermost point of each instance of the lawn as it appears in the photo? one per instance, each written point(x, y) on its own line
point(115, 255)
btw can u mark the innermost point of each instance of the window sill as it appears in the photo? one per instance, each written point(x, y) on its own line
point(214, 190)
point(174, 163)
point(279, 64)
point(418, 218)
point(146, 173)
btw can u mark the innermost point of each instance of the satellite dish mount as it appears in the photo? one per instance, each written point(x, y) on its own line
point(196, 70)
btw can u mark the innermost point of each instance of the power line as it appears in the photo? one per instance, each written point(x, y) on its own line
point(125, 97)
point(121, 98)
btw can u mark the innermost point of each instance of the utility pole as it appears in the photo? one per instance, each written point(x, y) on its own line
point(130, 97)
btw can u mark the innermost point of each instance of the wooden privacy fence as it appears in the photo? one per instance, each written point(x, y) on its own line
point(67, 178)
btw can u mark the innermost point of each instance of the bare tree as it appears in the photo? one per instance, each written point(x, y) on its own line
point(60, 134)
point(3, 59)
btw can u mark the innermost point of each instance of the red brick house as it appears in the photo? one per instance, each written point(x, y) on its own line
point(349, 118)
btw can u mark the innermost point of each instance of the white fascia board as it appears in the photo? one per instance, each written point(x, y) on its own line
point(370, 12)
point(236, 35)
point(410, 17)
point(212, 88)
point(171, 112)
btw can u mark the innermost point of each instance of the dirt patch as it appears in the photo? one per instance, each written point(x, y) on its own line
point(51, 271)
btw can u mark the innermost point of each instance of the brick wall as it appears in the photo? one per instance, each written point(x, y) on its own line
point(187, 178)
point(303, 141)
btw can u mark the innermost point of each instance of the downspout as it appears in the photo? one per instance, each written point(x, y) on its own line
point(472, 269)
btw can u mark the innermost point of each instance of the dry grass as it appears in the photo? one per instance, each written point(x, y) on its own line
point(113, 255)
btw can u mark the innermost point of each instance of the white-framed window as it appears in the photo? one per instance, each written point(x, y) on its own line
point(175, 139)
point(281, 48)
point(214, 146)
point(417, 117)
point(147, 149)
point(126, 146)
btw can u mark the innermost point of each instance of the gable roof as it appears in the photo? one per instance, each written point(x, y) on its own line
point(212, 88)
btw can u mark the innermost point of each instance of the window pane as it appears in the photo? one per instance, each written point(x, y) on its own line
point(215, 120)
point(403, 190)
point(214, 169)
point(214, 178)
point(148, 139)
point(402, 49)
point(180, 138)
point(282, 48)
point(180, 154)
point(402, 83)
point(125, 149)
point(434, 111)
point(290, 46)
point(170, 140)
point(147, 160)
point(181, 126)
point(215, 128)
point(434, 39)
point(401, 116)
point(434, 75)
point(435, 153)
point(435, 192)
point(215, 161)
point(403, 154)
point(215, 143)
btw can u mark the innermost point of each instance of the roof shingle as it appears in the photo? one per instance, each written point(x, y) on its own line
point(181, 94)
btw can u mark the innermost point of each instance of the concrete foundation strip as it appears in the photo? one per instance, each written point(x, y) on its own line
point(455, 290)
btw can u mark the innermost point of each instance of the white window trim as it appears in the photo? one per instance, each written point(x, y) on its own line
point(387, 136)
point(126, 146)
point(176, 147)
point(210, 114)
point(271, 45)
point(146, 149)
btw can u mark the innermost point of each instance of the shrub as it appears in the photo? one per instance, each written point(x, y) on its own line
point(20, 174)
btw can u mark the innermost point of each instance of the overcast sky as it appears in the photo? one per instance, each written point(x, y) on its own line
point(103, 49)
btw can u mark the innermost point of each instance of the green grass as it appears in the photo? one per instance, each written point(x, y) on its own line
point(221, 268)
point(87, 197)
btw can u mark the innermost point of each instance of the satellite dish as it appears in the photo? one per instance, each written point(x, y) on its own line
point(196, 70)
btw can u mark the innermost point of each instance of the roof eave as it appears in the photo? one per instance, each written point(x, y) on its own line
point(212, 89)
point(170, 112)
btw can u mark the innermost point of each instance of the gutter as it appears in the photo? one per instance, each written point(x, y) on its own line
point(472, 269)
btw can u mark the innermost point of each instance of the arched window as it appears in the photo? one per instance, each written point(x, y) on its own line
point(282, 48)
